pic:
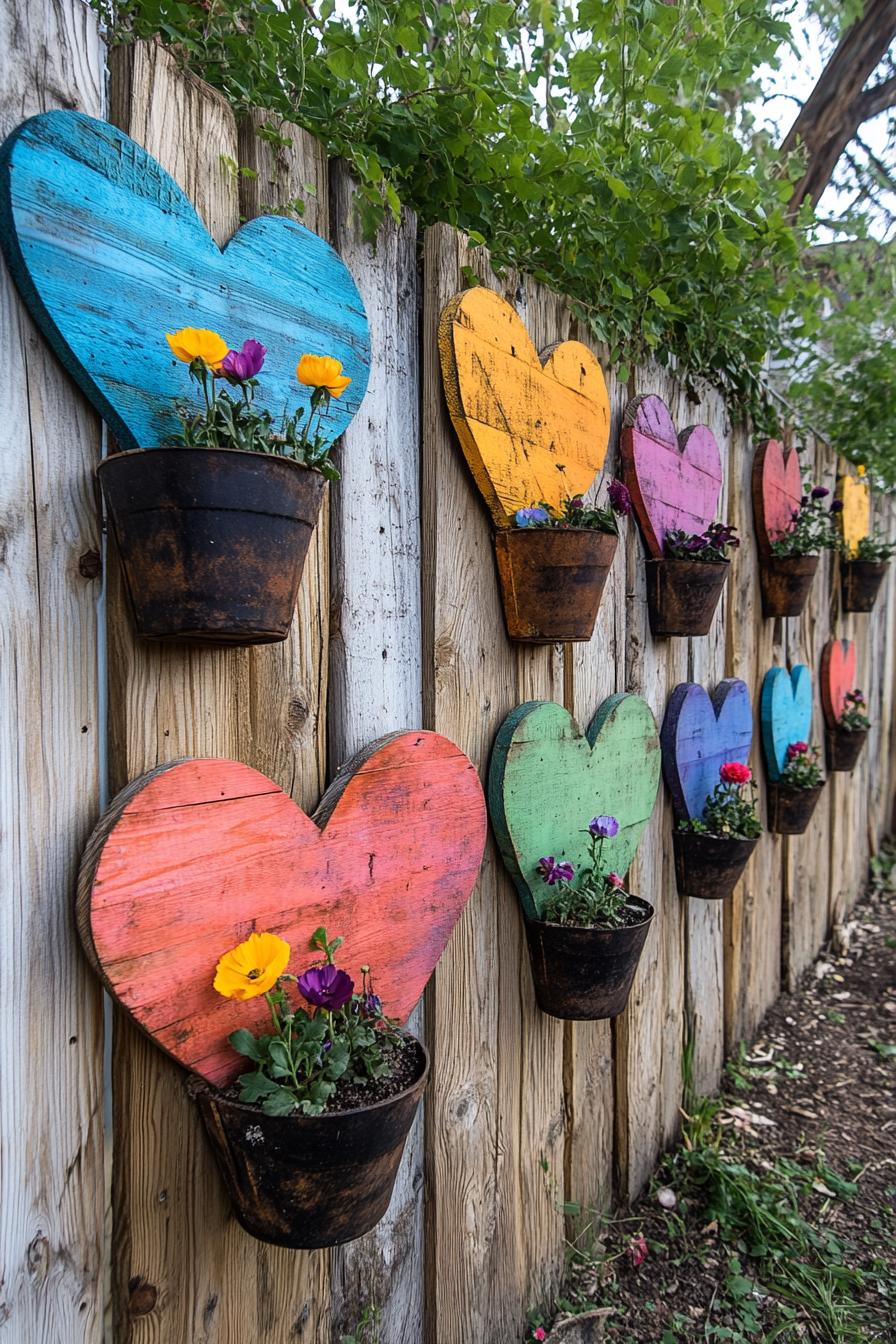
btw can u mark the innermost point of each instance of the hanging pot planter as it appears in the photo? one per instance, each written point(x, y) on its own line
point(790, 808)
point(860, 582)
point(844, 747)
point(682, 595)
point(309, 1181)
point(709, 867)
point(785, 582)
point(586, 974)
point(552, 581)
point(212, 540)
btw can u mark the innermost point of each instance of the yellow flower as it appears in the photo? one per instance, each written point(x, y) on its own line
point(252, 968)
point(860, 470)
point(196, 343)
point(322, 371)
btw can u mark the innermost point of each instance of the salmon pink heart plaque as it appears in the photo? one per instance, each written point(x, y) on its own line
point(777, 490)
point(675, 479)
point(838, 676)
point(193, 857)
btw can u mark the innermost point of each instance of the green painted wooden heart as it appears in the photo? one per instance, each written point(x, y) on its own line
point(547, 780)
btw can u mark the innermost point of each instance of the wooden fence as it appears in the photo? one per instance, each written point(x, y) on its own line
point(398, 625)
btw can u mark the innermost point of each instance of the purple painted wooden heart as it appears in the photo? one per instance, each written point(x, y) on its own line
point(675, 479)
point(699, 734)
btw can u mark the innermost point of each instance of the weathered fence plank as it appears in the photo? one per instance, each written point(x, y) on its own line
point(51, 745)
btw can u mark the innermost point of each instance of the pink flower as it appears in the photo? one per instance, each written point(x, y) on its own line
point(637, 1251)
point(797, 749)
point(732, 772)
point(615, 880)
point(540, 1333)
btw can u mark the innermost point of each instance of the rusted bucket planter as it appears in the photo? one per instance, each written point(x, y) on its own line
point(790, 809)
point(307, 1181)
point(585, 974)
point(708, 867)
point(785, 582)
point(682, 595)
point(552, 581)
point(212, 540)
point(844, 747)
point(860, 582)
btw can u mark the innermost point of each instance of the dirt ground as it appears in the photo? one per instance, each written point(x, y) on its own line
point(807, 1120)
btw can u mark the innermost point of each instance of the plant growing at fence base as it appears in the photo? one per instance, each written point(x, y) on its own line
point(729, 813)
point(803, 768)
point(594, 898)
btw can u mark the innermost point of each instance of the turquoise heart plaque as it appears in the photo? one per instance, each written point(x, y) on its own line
point(547, 779)
point(785, 711)
point(109, 254)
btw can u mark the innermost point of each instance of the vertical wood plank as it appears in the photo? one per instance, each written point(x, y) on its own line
point(183, 1269)
point(51, 1035)
point(376, 681)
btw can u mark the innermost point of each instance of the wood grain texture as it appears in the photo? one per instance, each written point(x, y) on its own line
point(785, 713)
point(547, 779)
point(700, 733)
point(183, 1270)
point(109, 254)
point(51, 1033)
point(531, 432)
point(776, 490)
point(495, 1113)
point(854, 520)
point(675, 479)
point(838, 677)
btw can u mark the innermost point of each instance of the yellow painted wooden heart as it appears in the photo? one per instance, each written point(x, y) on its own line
point(531, 433)
point(855, 520)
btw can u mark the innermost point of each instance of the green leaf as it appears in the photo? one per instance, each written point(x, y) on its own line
point(254, 1086)
point(244, 1043)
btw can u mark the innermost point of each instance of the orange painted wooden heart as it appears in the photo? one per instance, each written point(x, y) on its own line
point(838, 675)
point(531, 433)
point(193, 857)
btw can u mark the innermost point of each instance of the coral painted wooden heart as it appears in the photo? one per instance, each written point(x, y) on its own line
point(855, 517)
point(531, 433)
point(785, 711)
point(777, 488)
point(699, 734)
point(193, 857)
point(838, 676)
point(675, 479)
point(109, 255)
point(547, 780)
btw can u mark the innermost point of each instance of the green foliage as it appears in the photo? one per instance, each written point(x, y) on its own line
point(728, 814)
point(593, 898)
point(855, 713)
point(803, 768)
point(813, 528)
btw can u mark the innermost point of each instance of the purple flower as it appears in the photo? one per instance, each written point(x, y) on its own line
point(371, 1005)
point(531, 517)
point(246, 363)
point(820, 492)
point(326, 987)
point(552, 872)
point(804, 500)
point(604, 827)
point(837, 506)
point(620, 499)
point(577, 502)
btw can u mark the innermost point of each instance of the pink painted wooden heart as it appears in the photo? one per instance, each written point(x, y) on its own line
point(193, 857)
point(777, 489)
point(675, 479)
point(838, 675)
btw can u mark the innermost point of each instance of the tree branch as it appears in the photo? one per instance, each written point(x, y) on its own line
point(877, 99)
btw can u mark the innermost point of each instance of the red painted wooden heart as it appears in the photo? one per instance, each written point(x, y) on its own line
point(777, 489)
point(838, 675)
point(675, 479)
point(193, 857)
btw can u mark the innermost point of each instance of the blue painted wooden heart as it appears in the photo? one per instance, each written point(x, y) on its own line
point(699, 734)
point(785, 712)
point(109, 254)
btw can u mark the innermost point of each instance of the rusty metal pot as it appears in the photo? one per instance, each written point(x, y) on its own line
point(585, 974)
point(306, 1181)
point(212, 541)
point(682, 595)
point(790, 809)
point(844, 747)
point(860, 582)
point(784, 581)
point(552, 580)
point(708, 867)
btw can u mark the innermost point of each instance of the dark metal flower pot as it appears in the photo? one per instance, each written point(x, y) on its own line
point(682, 595)
point(860, 582)
point(844, 747)
point(306, 1181)
point(585, 974)
point(552, 581)
point(708, 867)
point(785, 582)
point(212, 541)
point(790, 809)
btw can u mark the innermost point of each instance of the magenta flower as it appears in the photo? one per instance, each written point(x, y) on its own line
point(797, 749)
point(604, 827)
point(615, 881)
point(246, 363)
point(820, 492)
point(326, 987)
point(637, 1250)
point(552, 872)
point(620, 499)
